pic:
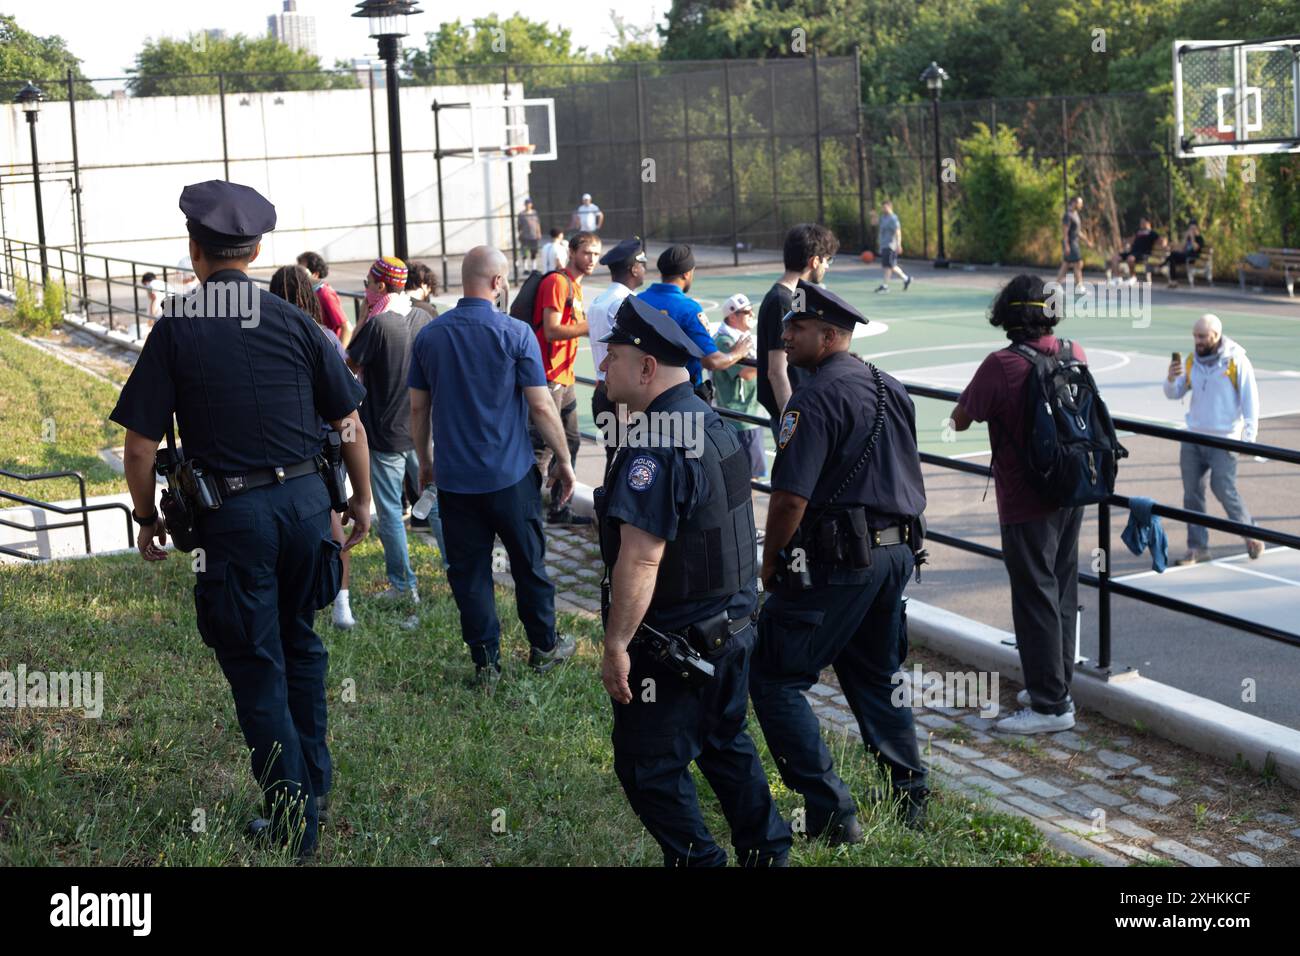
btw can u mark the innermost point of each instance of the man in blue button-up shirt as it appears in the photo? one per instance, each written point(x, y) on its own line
point(476, 374)
point(677, 270)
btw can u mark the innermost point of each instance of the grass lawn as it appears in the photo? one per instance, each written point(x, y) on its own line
point(424, 764)
point(53, 418)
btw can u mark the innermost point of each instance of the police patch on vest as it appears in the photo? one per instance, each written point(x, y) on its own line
point(788, 424)
point(641, 474)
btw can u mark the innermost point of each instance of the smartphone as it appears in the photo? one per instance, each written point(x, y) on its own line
point(1177, 358)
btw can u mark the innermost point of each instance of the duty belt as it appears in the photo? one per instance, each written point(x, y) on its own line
point(891, 534)
point(232, 485)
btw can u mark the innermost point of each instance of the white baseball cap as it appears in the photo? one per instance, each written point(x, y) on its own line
point(736, 303)
point(586, 197)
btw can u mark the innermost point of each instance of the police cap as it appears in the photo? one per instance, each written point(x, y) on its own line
point(639, 324)
point(627, 250)
point(826, 306)
point(676, 260)
point(226, 215)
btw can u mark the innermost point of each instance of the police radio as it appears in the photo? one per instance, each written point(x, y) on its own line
point(190, 490)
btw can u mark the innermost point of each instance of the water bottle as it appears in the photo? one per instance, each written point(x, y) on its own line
point(420, 510)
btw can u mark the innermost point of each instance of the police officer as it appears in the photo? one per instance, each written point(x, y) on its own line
point(676, 266)
point(842, 524)
point(677, 537)
point(249, 379)
point(626, 263)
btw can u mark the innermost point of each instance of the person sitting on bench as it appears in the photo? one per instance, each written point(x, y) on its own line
point(1193, 244)
point(1138, 249)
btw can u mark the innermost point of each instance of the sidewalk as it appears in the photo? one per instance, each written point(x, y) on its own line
point(1103, 791)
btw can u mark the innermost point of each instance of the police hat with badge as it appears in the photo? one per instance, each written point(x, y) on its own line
point(227, 220)
point(641, 325)
point(824, 305)
point(629, 250)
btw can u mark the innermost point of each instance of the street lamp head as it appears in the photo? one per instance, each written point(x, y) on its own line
point(387, 17)
point(933, 78)
point(29, 98)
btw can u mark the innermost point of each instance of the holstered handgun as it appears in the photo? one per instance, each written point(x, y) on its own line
point(676, 654)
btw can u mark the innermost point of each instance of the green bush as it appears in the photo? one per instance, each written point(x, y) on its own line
point(1008, 202)
point(38, 314)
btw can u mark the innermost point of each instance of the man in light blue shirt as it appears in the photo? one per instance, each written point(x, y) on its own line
point(476, 375)
point(626, 263)
point(889, 238)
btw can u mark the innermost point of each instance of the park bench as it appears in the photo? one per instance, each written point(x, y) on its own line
point(1281, 264)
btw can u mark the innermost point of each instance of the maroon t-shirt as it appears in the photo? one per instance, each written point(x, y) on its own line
point(997, 395)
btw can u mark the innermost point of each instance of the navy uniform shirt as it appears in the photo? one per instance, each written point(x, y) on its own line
point(823, 434)
point(246, 394)
point(655, 489)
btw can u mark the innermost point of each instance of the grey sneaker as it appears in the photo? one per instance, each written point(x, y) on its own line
point(397, 594)
point(1022, 699)
point(1193, 556)
point(543, 661)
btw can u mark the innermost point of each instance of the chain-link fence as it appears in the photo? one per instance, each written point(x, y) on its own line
point(1009, 165)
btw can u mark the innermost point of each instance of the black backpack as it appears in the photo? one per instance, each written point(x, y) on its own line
point(1071, 451)
point(524, 307)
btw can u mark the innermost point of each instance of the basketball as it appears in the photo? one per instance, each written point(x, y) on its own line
point(868, 256)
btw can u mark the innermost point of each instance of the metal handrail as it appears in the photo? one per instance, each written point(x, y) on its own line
point(83, 509)
point(1101, 581)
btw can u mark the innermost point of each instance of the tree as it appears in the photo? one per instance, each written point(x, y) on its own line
point(168, 67)
point(632, 44)
point(457, 53)
point(45, 60)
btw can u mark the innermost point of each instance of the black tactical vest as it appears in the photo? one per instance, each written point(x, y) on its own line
point(714, 553)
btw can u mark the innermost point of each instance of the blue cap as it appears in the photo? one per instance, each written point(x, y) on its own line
point(639, 324)
point(225, 215)
point(826, 306)
point(624, 251)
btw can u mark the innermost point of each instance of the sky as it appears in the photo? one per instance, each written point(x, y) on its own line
point(106, 34)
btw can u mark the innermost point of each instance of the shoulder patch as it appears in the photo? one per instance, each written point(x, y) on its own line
point(789, 422)
point(641, 474)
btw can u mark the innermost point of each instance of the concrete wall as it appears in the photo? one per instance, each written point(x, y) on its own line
point(285, 145)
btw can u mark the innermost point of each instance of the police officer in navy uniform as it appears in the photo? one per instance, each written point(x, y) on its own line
point(249, 379)
point(677, 537)
point(842, 526)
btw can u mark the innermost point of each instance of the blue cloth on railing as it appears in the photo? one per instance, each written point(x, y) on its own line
point(1144, 531)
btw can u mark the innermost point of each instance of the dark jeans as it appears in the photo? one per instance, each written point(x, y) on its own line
point(270, 564)
point(657, 737)
point(1196, 463)
point(471, 524)
point(854, 623)
point(751, 439)
point(1042, 559)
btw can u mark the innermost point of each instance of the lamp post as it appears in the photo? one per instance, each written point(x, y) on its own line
point(933, 78)
point(29, 100)
point(388, 24)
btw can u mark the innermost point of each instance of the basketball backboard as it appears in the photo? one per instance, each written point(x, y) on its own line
point(513, 130)
point(1237, 97)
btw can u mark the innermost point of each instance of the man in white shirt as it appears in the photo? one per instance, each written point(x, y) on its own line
point(555, 254)
point(588, 216)
point(626, 263)
point(1224, 402)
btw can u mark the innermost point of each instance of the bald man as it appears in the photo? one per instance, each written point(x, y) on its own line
point(476, 375)
point(1224, 402)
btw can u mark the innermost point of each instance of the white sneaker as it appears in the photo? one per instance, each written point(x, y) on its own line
point(343, 618)
point(1023, 700)
point(1028, 721)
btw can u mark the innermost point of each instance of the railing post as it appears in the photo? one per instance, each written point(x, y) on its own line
point(135, 293)
point(108, 289)
point(1103, 587)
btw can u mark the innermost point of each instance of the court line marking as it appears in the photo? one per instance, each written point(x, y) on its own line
point(1217, 562)
point(1261, 574)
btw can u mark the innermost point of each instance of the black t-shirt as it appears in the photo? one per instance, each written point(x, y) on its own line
point(1143, 243)
point(247, 392)
point(382, 347)
point(778, 301)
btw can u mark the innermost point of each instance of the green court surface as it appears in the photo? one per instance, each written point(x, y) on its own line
point(937, 333)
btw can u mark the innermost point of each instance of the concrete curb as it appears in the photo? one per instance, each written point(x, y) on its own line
point(103, 333)
point(1203, 725)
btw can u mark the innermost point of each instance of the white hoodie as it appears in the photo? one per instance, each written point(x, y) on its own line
point(1224, 394)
